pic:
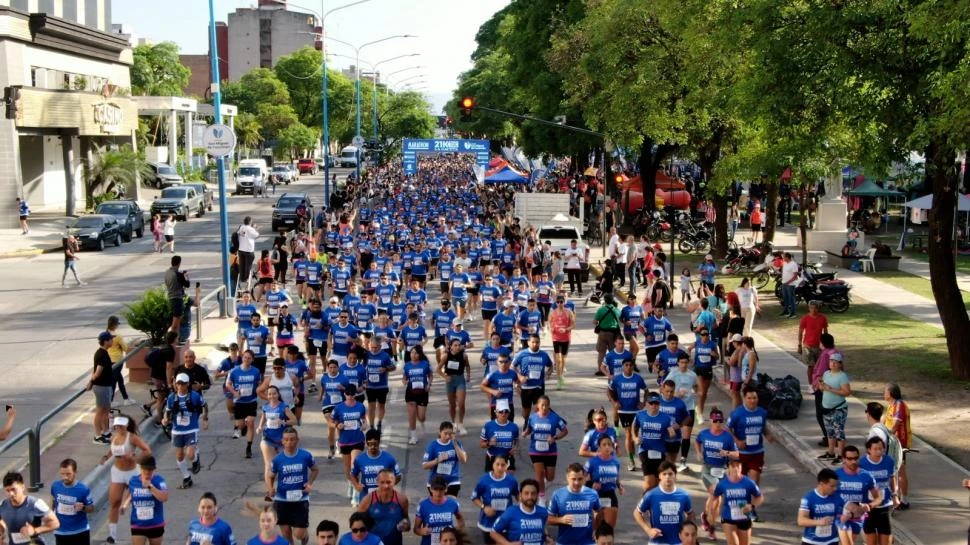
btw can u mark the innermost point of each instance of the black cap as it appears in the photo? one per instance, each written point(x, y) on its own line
point(653, 397)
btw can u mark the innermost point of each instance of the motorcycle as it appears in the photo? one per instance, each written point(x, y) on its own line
point(691, 241)
point(831, 292)
point(744, 260)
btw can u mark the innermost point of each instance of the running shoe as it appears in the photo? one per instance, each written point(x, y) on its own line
point(110, 540)
point(412, 438)
point(682, 465)
point(330, 456)
point(903, 506)
point(837, 460)
point(129, 402)
point(196, 466)
point(235, 433)
point(186, 483)
point(561, 383)
point(100, 440)
point(632, 467)
point(249, 452)
point(825, 456)
point(147, 408)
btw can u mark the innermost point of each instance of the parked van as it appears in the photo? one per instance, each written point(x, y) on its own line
point(251, 177)
point(348, 157)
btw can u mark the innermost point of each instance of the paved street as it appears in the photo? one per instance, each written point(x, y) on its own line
point(50, 333)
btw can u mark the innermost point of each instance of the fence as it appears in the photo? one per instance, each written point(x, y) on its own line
point(225, 308)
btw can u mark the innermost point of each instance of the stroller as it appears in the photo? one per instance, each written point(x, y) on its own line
point(604, 284)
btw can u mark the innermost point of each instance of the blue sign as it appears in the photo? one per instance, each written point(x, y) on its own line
point(414, 147)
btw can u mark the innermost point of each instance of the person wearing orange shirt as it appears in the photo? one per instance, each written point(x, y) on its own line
point(896, 419)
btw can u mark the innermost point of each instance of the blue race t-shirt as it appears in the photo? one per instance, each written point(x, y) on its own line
point(450, 469)
point(711, 446)
point(735, 495)
point(436, 517)
point(351, 418)
point(292, 474)
point(497, 494)
point(525, 527)
point(245, 381)
point(882, 471)
point(73, 520)
point(505, 436)
point(582, 506)
point(146, 510)
point(817, 506)
point(378, 367)
point(366, 468)
point(667, 510)
point(542, 429)
point(604, 472)
point(217, 533)
point(749, 426)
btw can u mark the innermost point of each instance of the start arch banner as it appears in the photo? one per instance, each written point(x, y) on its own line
point(414, 147)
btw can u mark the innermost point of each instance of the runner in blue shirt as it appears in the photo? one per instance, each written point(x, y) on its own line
point(531, 364)
point(883, 469)
point(268, 528)
point(437, 512)
point(490, 295)
point(626, 393)
point(209, 528)
point(417, 378)
point(705, 355)
point(662, 509)
point(500, 384)
point(343, 334)
point(183, 410)
point(524, 523)
point(441, 321)
point(545, 428)
point(416, 296)
point(379, 365)
point(574, 508)
point(259, 339)
point(667, 358)
point(241, 383)
point(858, 491)
point(499, 437)
point(316, 333)
point(147, 494)
point(749, 426)
point(360, 532)
point(71, 502)
point(604, 476)
point(714, 447)
point(613, 362)
point(412, 333)
point(676, 409)
point(368, 464)
point(289, 483)
point(491, 353)
point(821, 509)
point(504, 324)
point(651, 428)
point(495, 492)
point(738, 496)
point(459, 289)
point(385, 293)
point(656, 328)
point(244, 315)
point(597, 427)
point(443, 458)
point(632, 319)
point(349, 419)
point(457, 331)
point(332, 384)
point(530, 321)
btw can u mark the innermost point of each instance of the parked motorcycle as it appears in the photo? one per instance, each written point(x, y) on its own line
point(831, 292)
point(745, 260)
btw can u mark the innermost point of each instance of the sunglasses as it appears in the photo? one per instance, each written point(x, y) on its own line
point(850, 458)
point(359, 530)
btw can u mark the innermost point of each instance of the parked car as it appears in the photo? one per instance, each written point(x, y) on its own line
point(96, 231)
point(251, 177)
point(281, 174)
point(203, 189)
point(163, 175)
point(325, 163)
point(284, 211)
point(129, 215)
point(307, 166)
point(180, 201)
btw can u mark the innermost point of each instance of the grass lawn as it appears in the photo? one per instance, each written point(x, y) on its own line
point(912, 283)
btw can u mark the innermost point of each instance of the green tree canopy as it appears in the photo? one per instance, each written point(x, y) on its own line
point(157, 71)
point(255, 88)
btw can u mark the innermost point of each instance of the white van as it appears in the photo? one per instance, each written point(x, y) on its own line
point(251, 176)
point(348, 157)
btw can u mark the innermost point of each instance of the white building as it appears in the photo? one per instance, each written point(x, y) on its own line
point(68, 80)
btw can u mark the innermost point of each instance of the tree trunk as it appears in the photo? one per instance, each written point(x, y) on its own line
point(770, 209)
point(943, 178)
point(710, 152)
point(803, 200)
point(648, 163)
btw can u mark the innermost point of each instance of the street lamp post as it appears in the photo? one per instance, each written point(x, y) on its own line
point(374, 73)
point(220, 161)
point(357, 78)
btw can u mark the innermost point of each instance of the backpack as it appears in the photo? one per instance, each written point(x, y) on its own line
point(234, 240)
point(781, 398)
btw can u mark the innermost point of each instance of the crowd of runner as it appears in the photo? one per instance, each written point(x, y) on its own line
point(409, 277)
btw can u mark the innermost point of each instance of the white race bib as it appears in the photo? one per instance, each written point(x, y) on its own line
point(453, 365)
point(318, 343)
point(581, 521)
point(351, 425)
point(717, 472)
point(272, 421)
point(752, 440)
point(245, 390)
point(444, 468)
point(823, 531)
point(182, 420)
point(417, 385)
point(17, 537)
point(145, 512)
point(500, 504)
point(535, 374)
point(704, 359)
point(294, 495)
point(374, 377)
point(335, 398)
point(737, 513)
point(542, 446)
point(654, 455)
point(606, 503)
point(66, 509)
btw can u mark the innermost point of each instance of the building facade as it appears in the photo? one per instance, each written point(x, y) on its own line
point(68, 86)
point(258, 37)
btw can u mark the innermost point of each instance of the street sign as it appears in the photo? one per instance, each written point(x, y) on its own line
point(358, 141)
point(414, 147)
point(218, 140)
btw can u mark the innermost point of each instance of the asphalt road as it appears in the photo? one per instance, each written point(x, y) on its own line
point(50, 336)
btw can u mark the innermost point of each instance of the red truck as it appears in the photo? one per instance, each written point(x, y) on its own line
point(307, 166)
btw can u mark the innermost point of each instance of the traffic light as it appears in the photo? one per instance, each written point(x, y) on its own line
point(467, 104)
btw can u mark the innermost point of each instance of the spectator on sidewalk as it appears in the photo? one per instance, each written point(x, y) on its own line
point(168, 231)
point(607, 327)
point(896, 419)
point(835, 387)
point(8, 426)
point(23, 210)
point(247, 235)
point(790, 278)
point(175, 283)
point(101, 384)
point(118, 350)
point(71, 249)
point(750, 304)
point(821, 366)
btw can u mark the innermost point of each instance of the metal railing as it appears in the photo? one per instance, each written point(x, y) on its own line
point(225, 309)
point(33, 435)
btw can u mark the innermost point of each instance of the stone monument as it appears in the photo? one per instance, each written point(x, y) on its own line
point(830, 218)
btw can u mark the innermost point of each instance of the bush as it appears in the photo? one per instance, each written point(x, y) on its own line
point(151, 315)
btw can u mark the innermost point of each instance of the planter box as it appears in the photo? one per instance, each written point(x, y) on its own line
point(138, 370)
point(842, 262)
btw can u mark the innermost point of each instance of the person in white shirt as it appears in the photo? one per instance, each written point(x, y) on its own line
point(247, 251)
point(750, 304)
point(620, 260)
point(789, 280)
point(575, 257)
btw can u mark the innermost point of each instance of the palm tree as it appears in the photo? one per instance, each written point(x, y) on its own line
point(109, 168)
point(248, 130)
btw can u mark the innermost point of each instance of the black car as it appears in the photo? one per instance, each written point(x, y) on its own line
point(285, 210)
point(128, 214)
point(97, 231)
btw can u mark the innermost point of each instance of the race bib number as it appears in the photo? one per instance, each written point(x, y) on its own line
point(351, 425)
point(535, 374)
point(182, 420)
point(145, 512)
point(245, 390)
point(374, 377)
point(453, 365)
point(752, 440)
point(737, 512)
point(823, 531)
point(294, 495)
point(335, 398)
point(272, 421)
point(445, 468)
point(17, 537)
point(581, 521)
point(704, 359)
point(654, 455)
point(542, 446)
point(717, 472)
point(318, 343)
point(417, 385)
point(66, 509)
point(500, 504)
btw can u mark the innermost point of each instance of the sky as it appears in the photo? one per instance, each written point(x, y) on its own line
point(445, 31)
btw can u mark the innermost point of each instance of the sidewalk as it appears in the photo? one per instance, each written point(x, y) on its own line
point(921, 268)
point(46, 231)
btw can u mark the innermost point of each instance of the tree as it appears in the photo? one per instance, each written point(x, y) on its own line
point(407, 115)
point(109, 168)
point(274, 119)
point(248, 130)
point(294, 140)
point(257, 87)
point(157, 71)
point(300, 72)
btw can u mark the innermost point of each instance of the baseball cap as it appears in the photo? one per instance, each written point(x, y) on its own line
point(105, 336)
point(502, 405)
point(837, 356)
point(653, 397)
point(736, 338)
point(182, 377)
point(120, 421)
point(507, 304)
point(456, 321)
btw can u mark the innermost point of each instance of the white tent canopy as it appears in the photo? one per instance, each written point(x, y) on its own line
point(925, 203)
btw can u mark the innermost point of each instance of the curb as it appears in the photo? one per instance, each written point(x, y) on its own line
point(28, 252)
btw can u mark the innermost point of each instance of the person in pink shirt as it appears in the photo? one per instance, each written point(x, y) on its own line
point(815, 374)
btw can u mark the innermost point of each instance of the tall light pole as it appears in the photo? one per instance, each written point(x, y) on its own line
point(220, 161)
point(374, 73)
point(357, 79)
